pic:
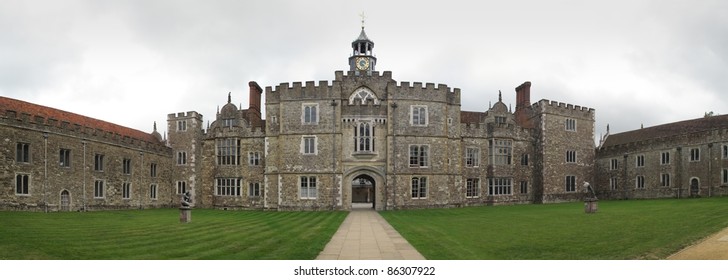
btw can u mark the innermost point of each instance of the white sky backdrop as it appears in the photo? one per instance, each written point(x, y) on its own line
point(133, 62)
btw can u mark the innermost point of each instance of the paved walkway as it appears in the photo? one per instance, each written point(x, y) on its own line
point(365, 235)
point(714, 247)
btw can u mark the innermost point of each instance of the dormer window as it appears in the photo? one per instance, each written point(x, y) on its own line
point(228, 122)
point(500, 120)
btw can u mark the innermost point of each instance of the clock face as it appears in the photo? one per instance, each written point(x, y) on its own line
point(362, 63)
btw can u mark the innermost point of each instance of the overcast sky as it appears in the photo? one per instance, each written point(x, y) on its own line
point(133, 62)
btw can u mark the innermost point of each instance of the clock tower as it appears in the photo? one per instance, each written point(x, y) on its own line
point(362, 58)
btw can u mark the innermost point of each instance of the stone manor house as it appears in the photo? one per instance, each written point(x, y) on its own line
point(361, 138)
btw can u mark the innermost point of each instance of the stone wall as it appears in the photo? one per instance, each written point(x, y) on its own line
point(75, 179)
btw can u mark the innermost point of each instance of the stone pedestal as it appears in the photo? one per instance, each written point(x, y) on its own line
point(591, 205)
point(185, 215)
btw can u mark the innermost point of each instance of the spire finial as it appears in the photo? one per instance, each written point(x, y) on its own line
point(500, 97)
point(155, 126)
point(362, 20)
point(229, 97)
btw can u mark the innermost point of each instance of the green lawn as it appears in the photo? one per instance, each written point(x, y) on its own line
point(635, 229)
point(158, 234)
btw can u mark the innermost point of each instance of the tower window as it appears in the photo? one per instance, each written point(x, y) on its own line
point(309, 114)
point(418, 155)
point(695, 154)
point(418, 115)
point(22, 152)
point(364, 137)
point(65, 158)
point(570, 125)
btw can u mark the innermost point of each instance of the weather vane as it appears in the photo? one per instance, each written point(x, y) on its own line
point(362, 19)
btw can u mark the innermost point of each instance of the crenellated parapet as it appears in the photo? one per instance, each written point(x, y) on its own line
point(430, 92)
point(564, 109)
point(300, 90)
point(340, 75)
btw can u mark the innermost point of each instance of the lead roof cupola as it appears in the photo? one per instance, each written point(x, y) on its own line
point(362, 57)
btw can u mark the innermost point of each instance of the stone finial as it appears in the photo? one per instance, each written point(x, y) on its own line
point(155, 126)
point(500, 96)
point(229, 99)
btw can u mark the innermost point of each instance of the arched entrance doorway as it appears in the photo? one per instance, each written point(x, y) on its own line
point(363, 194)
point(694, 187)
point(65, 201)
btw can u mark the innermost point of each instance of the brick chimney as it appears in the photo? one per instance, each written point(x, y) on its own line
point(523, 105)
point(254, 96)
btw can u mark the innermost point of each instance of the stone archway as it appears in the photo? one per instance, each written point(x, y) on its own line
point(363, 191)
point(364, 183)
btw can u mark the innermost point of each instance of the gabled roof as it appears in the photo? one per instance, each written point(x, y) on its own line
point(667, 130)
point(20, 107)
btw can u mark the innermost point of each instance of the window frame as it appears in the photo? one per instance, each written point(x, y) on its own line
point(694, 154)
point(418, 187)
point(99, 162)
point(228, 186)
point(22, 152)
point(570, 183)
point(364, 137)
point(472, 157)
point(472, 187)
point(181, 125)
point(570, 125)
point(309, 113)
point(153, 191)
point(253, 158)
point(126, 190)
point(254, 189)
point(126, 166)
point(524, 187)
point(99, 189)
point(421, 156)
point(639, 161)
point(22, 184)
point(418, 119)
point(227, 151)
point(665, 179)
point(570, 156)
point(500, 151)
point(64, 158)
point(498, 186)
point(309, 149)
point(639, 181)
point(181, 187)
point(307, 187)
point(665, 158)
point(181, 157)
point(613, 164)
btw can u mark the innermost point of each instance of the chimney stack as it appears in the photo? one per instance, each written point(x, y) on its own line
point(523, 105)
point(523, 95)
point(254, 97)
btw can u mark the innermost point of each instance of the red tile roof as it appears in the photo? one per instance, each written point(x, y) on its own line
point(20, 107)
point(471, 117)
point(667, 130)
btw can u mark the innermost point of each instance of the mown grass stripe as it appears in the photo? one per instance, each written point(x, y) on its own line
point(157, 234)
point(620, 230)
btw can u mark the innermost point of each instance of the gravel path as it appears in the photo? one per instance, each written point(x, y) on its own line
point(714, 247)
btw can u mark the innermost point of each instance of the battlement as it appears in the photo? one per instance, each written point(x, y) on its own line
point(416, 87)
point(308, 88)
point(339, 75)
point(545, 104)
point(183, 115)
